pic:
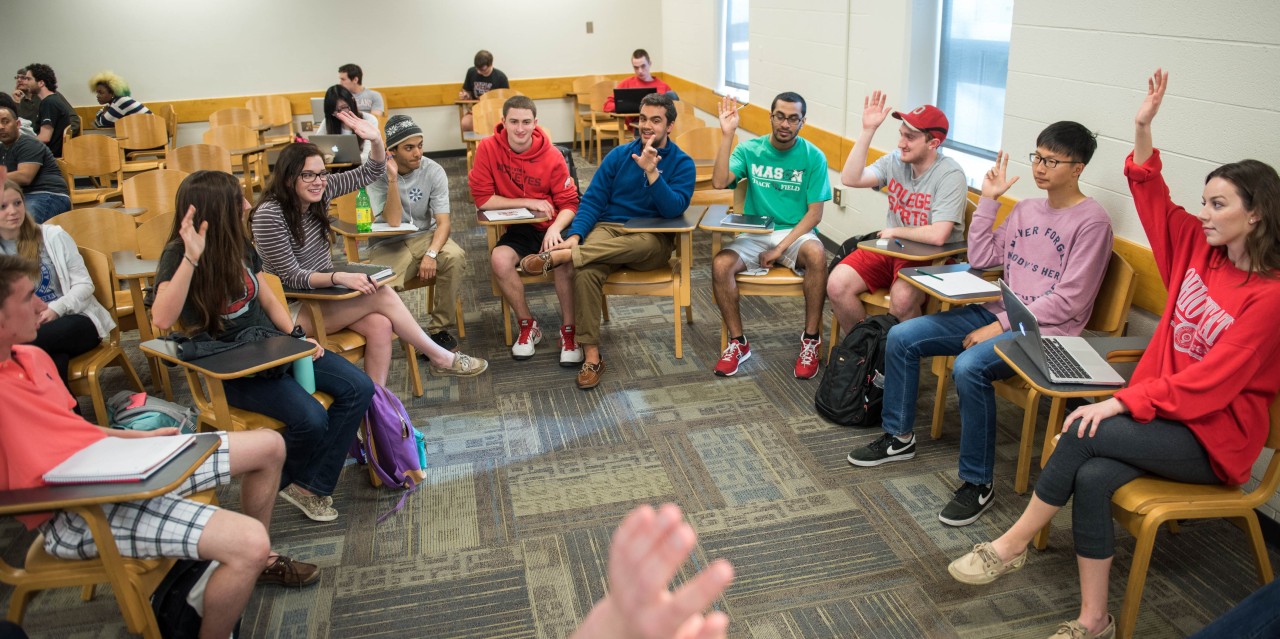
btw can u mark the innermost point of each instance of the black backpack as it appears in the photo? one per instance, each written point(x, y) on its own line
point(851, 392)
point(848, 246)
point(573, 170)
point(174, 616)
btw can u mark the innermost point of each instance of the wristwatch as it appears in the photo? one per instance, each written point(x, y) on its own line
point(432, 254)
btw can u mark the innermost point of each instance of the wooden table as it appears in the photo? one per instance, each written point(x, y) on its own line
point(493, 231)
point(134, 271)
point(87, 500)
point(351, 237)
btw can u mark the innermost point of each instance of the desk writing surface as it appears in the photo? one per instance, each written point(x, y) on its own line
point(715, 214)
point(1013, 354)
point(686, 222)
point(130, 266)
point(165, 480)
point(348, 229)
point(917, 251)
point(922, 284)
point(538, 216)
point(249, 357)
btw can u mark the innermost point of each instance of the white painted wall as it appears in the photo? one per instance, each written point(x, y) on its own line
point(211, 48)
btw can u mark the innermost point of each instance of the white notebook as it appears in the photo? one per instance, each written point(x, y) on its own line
point(955, 284)
point(117, 459)
point(383, 227)
point(508, 214)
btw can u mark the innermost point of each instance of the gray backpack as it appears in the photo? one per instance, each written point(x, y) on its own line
point(139, 411)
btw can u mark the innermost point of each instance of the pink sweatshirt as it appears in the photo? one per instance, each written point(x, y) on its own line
point(1053, 259)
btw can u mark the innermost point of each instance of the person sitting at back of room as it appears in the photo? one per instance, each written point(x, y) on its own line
point(337, 99)
point(480, 79)
point(116, 100)
point(642, 78)
point(351, 78)
point(31, 165)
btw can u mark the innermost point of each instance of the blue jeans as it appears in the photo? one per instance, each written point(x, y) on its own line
point(1257, 617)
point(316, 442)
point(942, 334)
point(42, 206)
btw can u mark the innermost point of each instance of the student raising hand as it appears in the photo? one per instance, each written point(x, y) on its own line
point(995, 182)
point(359, 126)
point(192, 240)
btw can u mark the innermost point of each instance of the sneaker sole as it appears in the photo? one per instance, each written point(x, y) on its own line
point(869, 464)
point(571, 363)
point(289, 498)
point(965, 522)
point(735, 370)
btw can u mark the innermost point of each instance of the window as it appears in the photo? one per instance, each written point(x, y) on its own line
point(735, 44)
point(973, 65)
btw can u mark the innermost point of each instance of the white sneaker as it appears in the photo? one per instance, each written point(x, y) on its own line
point(530, 335)
point(571, 355)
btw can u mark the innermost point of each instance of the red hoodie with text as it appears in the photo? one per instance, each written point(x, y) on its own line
point(1214, 361)
point(539, 173)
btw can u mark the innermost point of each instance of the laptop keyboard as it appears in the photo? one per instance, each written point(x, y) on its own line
point(1061, 363)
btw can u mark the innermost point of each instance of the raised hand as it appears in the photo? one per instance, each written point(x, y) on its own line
point(994, 182)
point(1156, 85)
point(648, 158)
point(359, 126)
point(729, 115)
point(392, 168)
point(874, 110)
point(192, 240)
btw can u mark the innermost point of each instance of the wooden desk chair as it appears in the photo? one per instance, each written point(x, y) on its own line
point(153, 234)
point(492, 234)
point(246, 151)
point(780, 281)
point(485, 115)
point(170, 116)
point(382, 125)
point(1109, 319)
point(236, 115)
point(199, 157)
point(95, 156)
point(105, 231)
point(702, 144)
point(685, 111)
point(143, 136)
point(273, 110)
point(688, 124)
point(604, 125)
point(156, 191)
point(582, 109)
point(83, 370)
point(497, 95)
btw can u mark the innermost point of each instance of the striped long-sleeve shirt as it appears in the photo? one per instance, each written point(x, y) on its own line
point(294, 263)
point(120, 107)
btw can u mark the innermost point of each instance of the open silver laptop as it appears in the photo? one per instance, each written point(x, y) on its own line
point(1064, 360)
point(317, 110)
point(345, 148)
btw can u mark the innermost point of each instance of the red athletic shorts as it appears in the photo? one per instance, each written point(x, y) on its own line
point(878, 271)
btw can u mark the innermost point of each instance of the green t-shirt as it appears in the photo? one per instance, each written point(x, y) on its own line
point(782, 183)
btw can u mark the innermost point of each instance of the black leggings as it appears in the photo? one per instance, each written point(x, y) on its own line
point(66, 337)
point(1122, 450)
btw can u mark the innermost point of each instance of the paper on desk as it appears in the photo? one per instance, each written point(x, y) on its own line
point(758, 270)
point(955, 284)
point(508, 214)
point(383, 227)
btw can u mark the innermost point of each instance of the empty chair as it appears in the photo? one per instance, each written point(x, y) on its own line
point(275, 111)
point(199, 157)
point(144, 138)
point(154, 191)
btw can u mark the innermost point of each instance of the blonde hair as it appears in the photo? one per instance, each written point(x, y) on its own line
point(30, 235)
point(118, 86)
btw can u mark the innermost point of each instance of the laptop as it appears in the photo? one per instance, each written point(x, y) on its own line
point(344, 148)
point(628, 100)
point(317, 110)
point(1064, 360)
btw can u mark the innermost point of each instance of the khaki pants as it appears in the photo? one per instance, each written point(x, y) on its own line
point(405, 257)
point(607, 249)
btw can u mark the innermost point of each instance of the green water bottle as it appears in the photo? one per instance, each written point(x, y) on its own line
point(364, 213)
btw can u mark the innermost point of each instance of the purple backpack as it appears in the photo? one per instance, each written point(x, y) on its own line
point(387, 442)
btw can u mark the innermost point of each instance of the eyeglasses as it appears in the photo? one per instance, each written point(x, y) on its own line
point(1049, 163)
point(789, 119)
point(308, 177)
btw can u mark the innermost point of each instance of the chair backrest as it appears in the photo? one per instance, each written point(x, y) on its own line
point(153, 235)
point(101, 273)
point(231, 137)
point(233, 115)
point(142, 131)
point(382, 124)
point(702, 143)
point(103, 230)
point(92, 155)
point(153, 190)
point(344, 207)
point(584, 83)
point(274, 110)
point(272, 283)
point(684, 110)
point(485, 116)
point(500, 95)
point(600, 92)
point(1115, 296)
point(689, 125)
point(197, 157)
point(170, 116)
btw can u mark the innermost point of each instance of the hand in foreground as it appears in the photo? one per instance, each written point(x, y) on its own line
point(874, 110)
point(982, 334)
point(647, 550)
point(1093, 414)
point(359, 126)
point(192, 240)
point(728, 114)
point(1156, 85)
point(319, 349)
point(648, 158)
point(47, 315)
point(995, 182)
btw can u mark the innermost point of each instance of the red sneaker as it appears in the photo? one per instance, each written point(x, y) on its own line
point(733, 355)
point(807, 362)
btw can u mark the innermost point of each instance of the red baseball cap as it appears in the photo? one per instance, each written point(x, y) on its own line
point(926, 119)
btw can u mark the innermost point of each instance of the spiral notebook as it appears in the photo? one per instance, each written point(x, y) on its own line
point(117, 459)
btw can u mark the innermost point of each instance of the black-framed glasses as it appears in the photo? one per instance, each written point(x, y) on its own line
point(308, 177)
point(793, 120)
point(1049, 163)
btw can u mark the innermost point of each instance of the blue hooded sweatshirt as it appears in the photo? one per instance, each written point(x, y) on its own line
point(620, 190)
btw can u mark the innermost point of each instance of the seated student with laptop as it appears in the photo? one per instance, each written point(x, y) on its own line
point(339, 100)
point(642, 79)
point(1197, 407)
point(38, 431)
point(1054, 251)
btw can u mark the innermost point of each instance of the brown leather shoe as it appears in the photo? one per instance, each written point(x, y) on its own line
point(589, 376)
point(287, 572)
point(537, 263)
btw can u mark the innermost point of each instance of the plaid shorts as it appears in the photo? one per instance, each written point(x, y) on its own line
point(164, 526)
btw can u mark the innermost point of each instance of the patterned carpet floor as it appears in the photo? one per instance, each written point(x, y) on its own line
point(529, 476)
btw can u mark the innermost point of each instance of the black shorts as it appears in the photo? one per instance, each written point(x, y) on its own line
point(524, 239)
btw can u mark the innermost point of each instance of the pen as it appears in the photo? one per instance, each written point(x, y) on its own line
point(895, 241)
point(921, 272)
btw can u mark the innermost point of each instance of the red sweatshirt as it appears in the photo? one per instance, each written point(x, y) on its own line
point(539, 173)
point(633, 83)
point(1214, 361)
